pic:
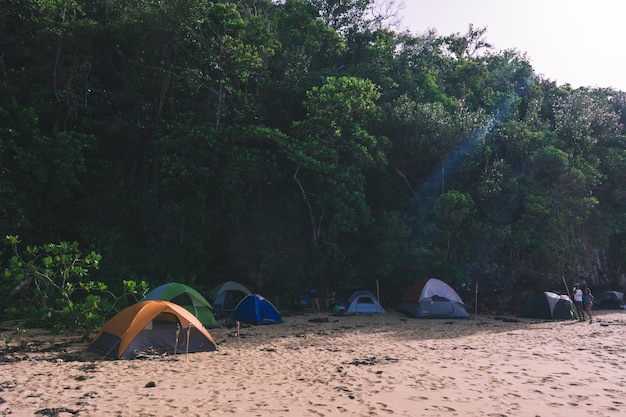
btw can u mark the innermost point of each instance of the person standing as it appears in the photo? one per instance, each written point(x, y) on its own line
point(588, 302)
point(314, 299)
point(331, 301)
point(578, 302)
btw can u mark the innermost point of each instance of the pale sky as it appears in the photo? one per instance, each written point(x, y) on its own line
point(581, 43)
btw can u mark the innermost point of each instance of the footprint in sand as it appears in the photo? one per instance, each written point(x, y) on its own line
point(442, 408)
point(90, 394)
point(418, 398)
point(384, 408)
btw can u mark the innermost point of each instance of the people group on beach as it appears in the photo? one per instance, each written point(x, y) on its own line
point(311, 300)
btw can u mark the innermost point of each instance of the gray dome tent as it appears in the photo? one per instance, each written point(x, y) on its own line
point(227, 295)
point(610, 300)
point(432, 298)
point(548, 305)
point(364, 302)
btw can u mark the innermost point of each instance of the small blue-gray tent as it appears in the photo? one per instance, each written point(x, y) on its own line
point(610, 300)
point(255, 309)
point(363, 302)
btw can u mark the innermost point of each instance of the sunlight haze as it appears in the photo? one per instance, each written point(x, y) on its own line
point(580, 43)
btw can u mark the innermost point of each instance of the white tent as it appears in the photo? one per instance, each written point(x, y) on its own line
point(432, 298)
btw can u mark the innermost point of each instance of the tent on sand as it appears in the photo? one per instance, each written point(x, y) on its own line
point(432, 298)
point(363, 302)
point(610, 300)
point(227, 295)
point(255, 309)
point(186, 297)
point(152, 326)
point(548, 305)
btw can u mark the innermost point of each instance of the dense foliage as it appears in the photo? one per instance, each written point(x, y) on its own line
point(295, 144)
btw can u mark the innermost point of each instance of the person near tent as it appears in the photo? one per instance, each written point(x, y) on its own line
point(314, 299)
point(578, 302)
point(588, 302)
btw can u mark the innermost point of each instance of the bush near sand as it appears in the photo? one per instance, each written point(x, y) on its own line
point(385, 364)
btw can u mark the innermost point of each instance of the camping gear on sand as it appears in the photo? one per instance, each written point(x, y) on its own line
point(152, 326)
point(255, 309)
point(227, 295)
point(186, 297)
point(432, 298)
point(363, 302)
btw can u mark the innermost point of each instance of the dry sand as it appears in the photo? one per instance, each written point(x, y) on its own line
point(351, 366)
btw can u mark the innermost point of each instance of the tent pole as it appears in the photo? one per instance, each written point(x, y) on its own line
point(177, 333)
point(476, 300)
point(567, 289)
point(188, 333)
point(575, 309)
point(238, 326)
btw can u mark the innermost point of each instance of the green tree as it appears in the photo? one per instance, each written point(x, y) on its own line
point(305, 50)
point(332, 148)
point(455, 215)
point(343, 15)
point(40, 174)
point(52, 281)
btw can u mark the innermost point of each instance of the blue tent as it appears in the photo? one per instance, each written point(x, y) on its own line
point(255, 309)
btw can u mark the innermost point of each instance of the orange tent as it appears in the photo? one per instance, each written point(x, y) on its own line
point(152, 326)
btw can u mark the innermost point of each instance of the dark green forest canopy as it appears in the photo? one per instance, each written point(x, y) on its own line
point(299, 144)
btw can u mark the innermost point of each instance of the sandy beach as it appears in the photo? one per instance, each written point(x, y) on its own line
point(349, 366)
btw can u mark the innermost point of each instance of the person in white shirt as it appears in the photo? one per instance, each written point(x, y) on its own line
point(578, 302)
